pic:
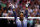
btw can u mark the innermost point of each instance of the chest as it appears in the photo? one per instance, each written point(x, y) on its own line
point(20, 23)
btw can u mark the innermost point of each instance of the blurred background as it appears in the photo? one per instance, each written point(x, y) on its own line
point(33, 23)
point(34, 8)
point(12, 8)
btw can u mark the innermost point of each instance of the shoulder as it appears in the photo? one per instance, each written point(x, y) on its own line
point(17, 20)
point(25, 19)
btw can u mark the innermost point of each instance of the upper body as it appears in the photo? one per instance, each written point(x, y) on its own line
point(18, 22)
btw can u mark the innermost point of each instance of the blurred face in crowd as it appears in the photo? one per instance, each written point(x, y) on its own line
point(5, 11)
point(2, 8)
point(0, 12)
point(21, 15)
point(39, 10)
point(37, 21)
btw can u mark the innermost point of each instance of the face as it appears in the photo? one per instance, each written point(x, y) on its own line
point(5, 11)
point(21, 15)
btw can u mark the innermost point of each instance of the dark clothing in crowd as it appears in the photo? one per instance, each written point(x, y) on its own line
point(11, 24)
point(39, 6)
point(4, 23)
point(0, 15)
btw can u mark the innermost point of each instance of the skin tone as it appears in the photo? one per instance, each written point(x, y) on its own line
point(37, 21)
point(4, 11)
point(21, 16)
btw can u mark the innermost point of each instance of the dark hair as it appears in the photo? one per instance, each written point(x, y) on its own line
point(0, 6)
point(21, 12)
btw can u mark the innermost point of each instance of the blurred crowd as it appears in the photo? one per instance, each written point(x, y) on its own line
point(21, 9)
point(34, 8)
point(11, 22)
point(33, 23)
point(12, 8)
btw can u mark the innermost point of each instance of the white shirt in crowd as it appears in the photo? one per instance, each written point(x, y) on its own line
point(37, 25)
point(5, 14)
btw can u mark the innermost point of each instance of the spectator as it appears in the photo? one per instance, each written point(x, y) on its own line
point(5, 14)
point(33, 9)
point(14, 5)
